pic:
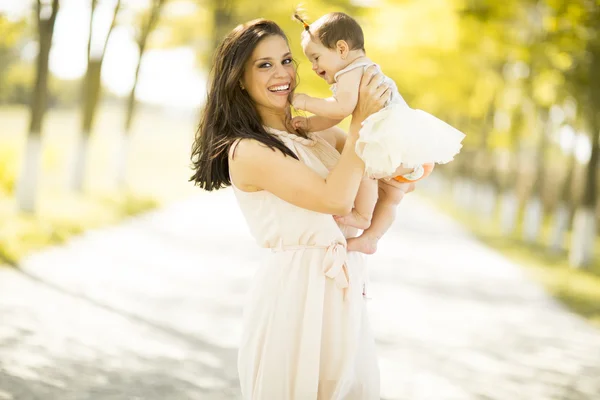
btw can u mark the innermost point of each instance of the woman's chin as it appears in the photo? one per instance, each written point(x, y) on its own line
point(279, 101)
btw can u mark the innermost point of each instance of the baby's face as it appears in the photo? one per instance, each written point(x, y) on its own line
point(325, 62)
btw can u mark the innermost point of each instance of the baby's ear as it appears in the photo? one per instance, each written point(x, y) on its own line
point(342, 48)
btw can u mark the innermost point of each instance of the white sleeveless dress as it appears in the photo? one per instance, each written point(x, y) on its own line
point(305, 330)
point(400, 135)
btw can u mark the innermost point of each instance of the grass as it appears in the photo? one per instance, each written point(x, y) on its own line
point(578, 289)
point(58, 218)
point(157, 174)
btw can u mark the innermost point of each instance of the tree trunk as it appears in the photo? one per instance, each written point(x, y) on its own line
point(122, 153)
point(508, 212)
point(534, 211)
point(584, 227)
point(28, 180)
point(509, 209)
point(223, 19)
point(485, 197)
point(564, 211)
point(91, 97)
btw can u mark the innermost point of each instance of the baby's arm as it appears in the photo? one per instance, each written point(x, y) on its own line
point(336, 107)
point(318, 123)
point(314, 123)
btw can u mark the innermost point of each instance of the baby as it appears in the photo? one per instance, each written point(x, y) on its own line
point(395, 136)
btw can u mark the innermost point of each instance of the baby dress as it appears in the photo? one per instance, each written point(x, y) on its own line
point(399, 135)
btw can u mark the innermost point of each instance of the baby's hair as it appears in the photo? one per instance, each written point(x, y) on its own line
point(339, 26)
point(301, 19)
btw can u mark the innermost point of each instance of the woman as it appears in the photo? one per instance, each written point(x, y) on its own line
point(306, 335)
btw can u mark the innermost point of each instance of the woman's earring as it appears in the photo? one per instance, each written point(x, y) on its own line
point(242, 86)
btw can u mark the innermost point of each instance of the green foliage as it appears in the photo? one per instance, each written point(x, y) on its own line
point(12, 36)
point(159, 173)
point(8, 165)
point(20, 233)
point(17, 82)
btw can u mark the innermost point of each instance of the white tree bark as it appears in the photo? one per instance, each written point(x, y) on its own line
point(584, 235)
point(561, 222)
point(532, 220)
point(486, 200)
point(457, 192)
point(508, 212)
point(122, 159)
point(79, 163)
point(29, 177)
point(467, 193)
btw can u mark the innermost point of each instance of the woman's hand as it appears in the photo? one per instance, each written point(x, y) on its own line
point(372, 95)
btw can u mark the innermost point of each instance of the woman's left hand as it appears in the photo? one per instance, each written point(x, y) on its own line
point(372, 96)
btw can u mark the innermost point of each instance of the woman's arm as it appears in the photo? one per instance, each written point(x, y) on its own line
point(258, 167)
point(338, 107)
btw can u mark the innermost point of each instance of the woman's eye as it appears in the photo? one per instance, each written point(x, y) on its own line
point(287, 61)
point(264, 65)
point(316, 58)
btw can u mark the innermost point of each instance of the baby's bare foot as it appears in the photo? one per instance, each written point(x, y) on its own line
point(354, 219)
point(363, 244)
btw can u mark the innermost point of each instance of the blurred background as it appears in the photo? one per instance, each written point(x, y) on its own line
point(99, 101)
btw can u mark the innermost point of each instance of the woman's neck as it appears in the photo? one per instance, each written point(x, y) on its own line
point(276, 119)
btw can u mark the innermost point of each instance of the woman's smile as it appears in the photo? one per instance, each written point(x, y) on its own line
point(282, 89)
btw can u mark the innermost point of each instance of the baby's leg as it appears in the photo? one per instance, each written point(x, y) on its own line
point(383, 217)
point(364, 204)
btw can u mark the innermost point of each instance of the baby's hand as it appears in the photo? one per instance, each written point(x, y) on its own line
point(300, 123)
point(299, 101)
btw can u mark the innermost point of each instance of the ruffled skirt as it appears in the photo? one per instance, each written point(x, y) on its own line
point(402, 136)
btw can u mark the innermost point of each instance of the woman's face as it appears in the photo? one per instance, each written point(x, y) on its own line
point(270, 74)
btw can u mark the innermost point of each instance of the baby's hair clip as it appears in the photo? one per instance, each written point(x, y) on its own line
point(299, 18)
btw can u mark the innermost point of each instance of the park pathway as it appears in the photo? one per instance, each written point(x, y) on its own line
point(150, 310)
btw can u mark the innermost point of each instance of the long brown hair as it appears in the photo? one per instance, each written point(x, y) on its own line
point(229, 113)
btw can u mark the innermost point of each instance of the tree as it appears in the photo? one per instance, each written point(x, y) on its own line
point(11, 34)
point(564, 208)
point(223, 21)
point(147, 26)
point(584, 229)
point(90, 95)
point(28, 180)
point(577, 32)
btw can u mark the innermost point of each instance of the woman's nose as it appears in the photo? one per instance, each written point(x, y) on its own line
point(314, 66)
point(280, 71)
